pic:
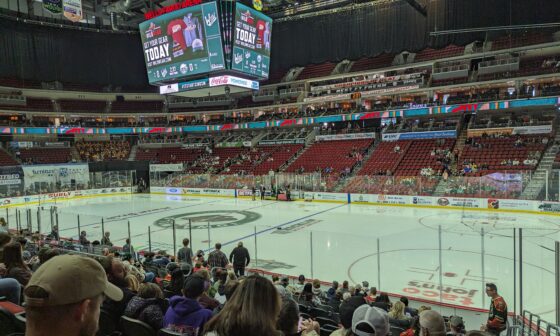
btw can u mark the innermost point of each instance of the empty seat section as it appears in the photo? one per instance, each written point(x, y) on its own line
point(168, 154)
point(331, 154)
point(45, 155)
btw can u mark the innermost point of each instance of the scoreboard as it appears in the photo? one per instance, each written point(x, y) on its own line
point(251, 41)
point(182, 43)
point(202, 40)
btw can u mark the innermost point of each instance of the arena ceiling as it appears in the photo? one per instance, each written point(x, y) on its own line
point(131, 12)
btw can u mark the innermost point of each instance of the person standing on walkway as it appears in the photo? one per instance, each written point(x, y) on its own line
point(240, 259)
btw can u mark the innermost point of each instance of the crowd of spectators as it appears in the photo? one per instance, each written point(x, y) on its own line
point(195, 296)
point(103, 150)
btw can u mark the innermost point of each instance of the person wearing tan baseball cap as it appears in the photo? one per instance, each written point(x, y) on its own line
point(64, 297)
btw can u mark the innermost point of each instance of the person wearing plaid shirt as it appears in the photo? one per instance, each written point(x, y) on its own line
point(217, 258)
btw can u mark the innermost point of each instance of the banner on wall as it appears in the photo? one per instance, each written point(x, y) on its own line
point(351, 136)
point(64, 174)
point(53, 6)
point(540, 129)
point(72, 10)
point(419, 135)
point(166, 167)
point(11, 176)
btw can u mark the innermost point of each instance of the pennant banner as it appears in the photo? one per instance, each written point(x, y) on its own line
point(72, 10)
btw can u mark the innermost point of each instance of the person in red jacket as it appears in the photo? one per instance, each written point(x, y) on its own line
point(497, 316)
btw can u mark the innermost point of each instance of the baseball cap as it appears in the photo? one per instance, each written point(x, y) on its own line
point(376, 318)
point(69, 279)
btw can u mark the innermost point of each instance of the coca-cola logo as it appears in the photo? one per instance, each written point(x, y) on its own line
point(222, 80)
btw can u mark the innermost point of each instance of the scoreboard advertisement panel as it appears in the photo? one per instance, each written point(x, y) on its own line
point(252, 32)
point(183, 43)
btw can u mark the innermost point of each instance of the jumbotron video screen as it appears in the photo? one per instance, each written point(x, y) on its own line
point(183, 43)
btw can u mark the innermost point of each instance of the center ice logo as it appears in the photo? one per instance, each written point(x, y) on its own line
point(200, 220)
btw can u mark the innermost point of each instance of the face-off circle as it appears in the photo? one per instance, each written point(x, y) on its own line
point(500, 224)
point(200, 219)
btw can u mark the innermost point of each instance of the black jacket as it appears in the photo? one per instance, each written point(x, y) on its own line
point(239, 256)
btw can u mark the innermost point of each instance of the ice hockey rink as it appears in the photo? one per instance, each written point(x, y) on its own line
point(397, 249)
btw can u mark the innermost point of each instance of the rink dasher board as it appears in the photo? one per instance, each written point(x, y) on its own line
point(452, 203)
point(64, 196)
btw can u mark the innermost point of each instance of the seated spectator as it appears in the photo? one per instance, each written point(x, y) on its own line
point(431, 323)
point(397, 311)
point(410, 312)
point(204, 299)
point(185, 313)
point(357, 290)
point(372, 295)
point(288, 321)
point(132, 283)
point(332, 291)
point(5, 239)
point(335, 301)
point(346, 313)
point(397, 316)
point(344, 288)
point(83, 239)
point(285, 291)
point(10, 288)
point(383, 302)
point(56, 306)
point(456, 326)
point(370, 321)
point(365, 288)
point(252, 310)
point(116, 273)
point(127, 248)
point(137, 270)
point(175, 286)
point(317, 291)
point(106, 240)
point(307, 298)
point(300, 283)
point(16, 268)
point(161, 258)
point(149, 306)
point(229, 289)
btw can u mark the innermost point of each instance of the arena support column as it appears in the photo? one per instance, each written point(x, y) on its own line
point(514, 272)
point(440, 249)
point(256, 260)
point(102, 227)
point(39, 220)
point(128, 224)
point(521, 270)
point(311, 250)
point(190, 234)
point(378, 264)
point(174, 238)
point(209, 237)
point(149, 239)
point(557, 279)
point(482, 266)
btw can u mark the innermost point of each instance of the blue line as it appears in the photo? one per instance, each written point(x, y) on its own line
point(275, 227)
